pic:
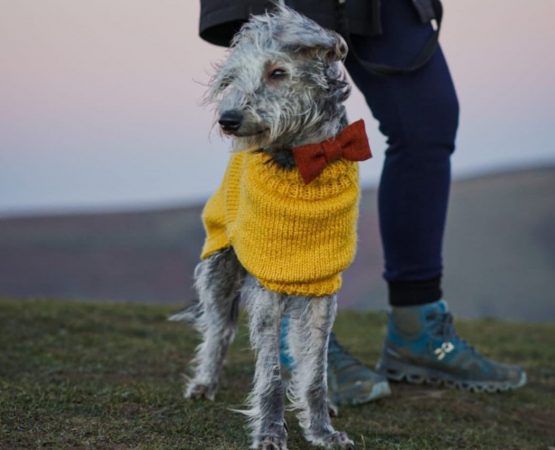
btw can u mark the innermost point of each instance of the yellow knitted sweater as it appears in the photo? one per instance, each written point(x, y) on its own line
point(295, 238)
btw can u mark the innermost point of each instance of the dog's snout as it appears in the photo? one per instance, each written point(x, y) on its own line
point(231, 120)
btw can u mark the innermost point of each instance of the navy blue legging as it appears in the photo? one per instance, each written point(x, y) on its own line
point(418, 113)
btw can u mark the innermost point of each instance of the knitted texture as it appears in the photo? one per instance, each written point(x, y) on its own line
point(295, 238)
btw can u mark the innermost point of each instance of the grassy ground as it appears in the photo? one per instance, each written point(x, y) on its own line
point(104, 376)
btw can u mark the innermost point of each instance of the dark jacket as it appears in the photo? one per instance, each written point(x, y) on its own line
point(221, 19)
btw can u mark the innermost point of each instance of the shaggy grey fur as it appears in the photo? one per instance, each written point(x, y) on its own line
point(214, 315)
point(283, 77)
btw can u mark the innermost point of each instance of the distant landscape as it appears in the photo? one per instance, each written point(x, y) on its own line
point(499, 252)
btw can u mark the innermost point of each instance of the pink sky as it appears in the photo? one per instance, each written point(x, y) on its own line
point(99, 101)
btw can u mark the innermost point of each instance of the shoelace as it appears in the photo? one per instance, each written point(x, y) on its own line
point(445, 329)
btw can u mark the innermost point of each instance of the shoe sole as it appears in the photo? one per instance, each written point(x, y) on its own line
point(400, 371)
point(357, 396)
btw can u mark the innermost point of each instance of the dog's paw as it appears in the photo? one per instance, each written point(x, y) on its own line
point(339, 439)
point(273, 443)
point(196, 391)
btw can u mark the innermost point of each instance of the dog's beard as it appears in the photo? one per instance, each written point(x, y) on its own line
point(253, 142)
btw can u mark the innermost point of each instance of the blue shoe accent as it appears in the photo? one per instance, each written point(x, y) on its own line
point(423, 346)
point(425, 329)
point(285, 357)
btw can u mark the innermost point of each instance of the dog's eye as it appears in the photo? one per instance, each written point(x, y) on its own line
point(278, 74)
point(225, 82)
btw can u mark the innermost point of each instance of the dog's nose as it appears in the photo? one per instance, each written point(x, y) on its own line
point(231, 120)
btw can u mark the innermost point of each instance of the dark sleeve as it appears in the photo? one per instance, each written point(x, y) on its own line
point(425, 9)
point(221, 19)
point(363, 15)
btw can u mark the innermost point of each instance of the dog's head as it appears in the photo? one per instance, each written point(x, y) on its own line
point(282, 82)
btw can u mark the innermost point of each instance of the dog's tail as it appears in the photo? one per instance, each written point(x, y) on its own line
point(188, 315)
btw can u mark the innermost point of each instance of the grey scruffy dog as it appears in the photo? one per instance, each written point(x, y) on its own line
point(281, 86)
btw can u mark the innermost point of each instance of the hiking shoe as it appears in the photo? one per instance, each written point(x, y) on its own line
point(423, 346)
point(350, 382)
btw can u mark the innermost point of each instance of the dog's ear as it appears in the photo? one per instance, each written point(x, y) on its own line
point(299, 34)
point(329, 42)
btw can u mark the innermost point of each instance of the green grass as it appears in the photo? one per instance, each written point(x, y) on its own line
point(110, 376)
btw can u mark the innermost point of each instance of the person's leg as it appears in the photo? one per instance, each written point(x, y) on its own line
point(418, 113)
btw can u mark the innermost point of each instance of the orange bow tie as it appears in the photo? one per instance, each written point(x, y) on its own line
point(351, 144)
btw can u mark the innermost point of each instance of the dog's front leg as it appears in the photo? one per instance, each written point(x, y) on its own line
point(310, 323)
point(217, 280)
point(266, 399)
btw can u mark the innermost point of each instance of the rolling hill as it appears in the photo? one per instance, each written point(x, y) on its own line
point(499, 252)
